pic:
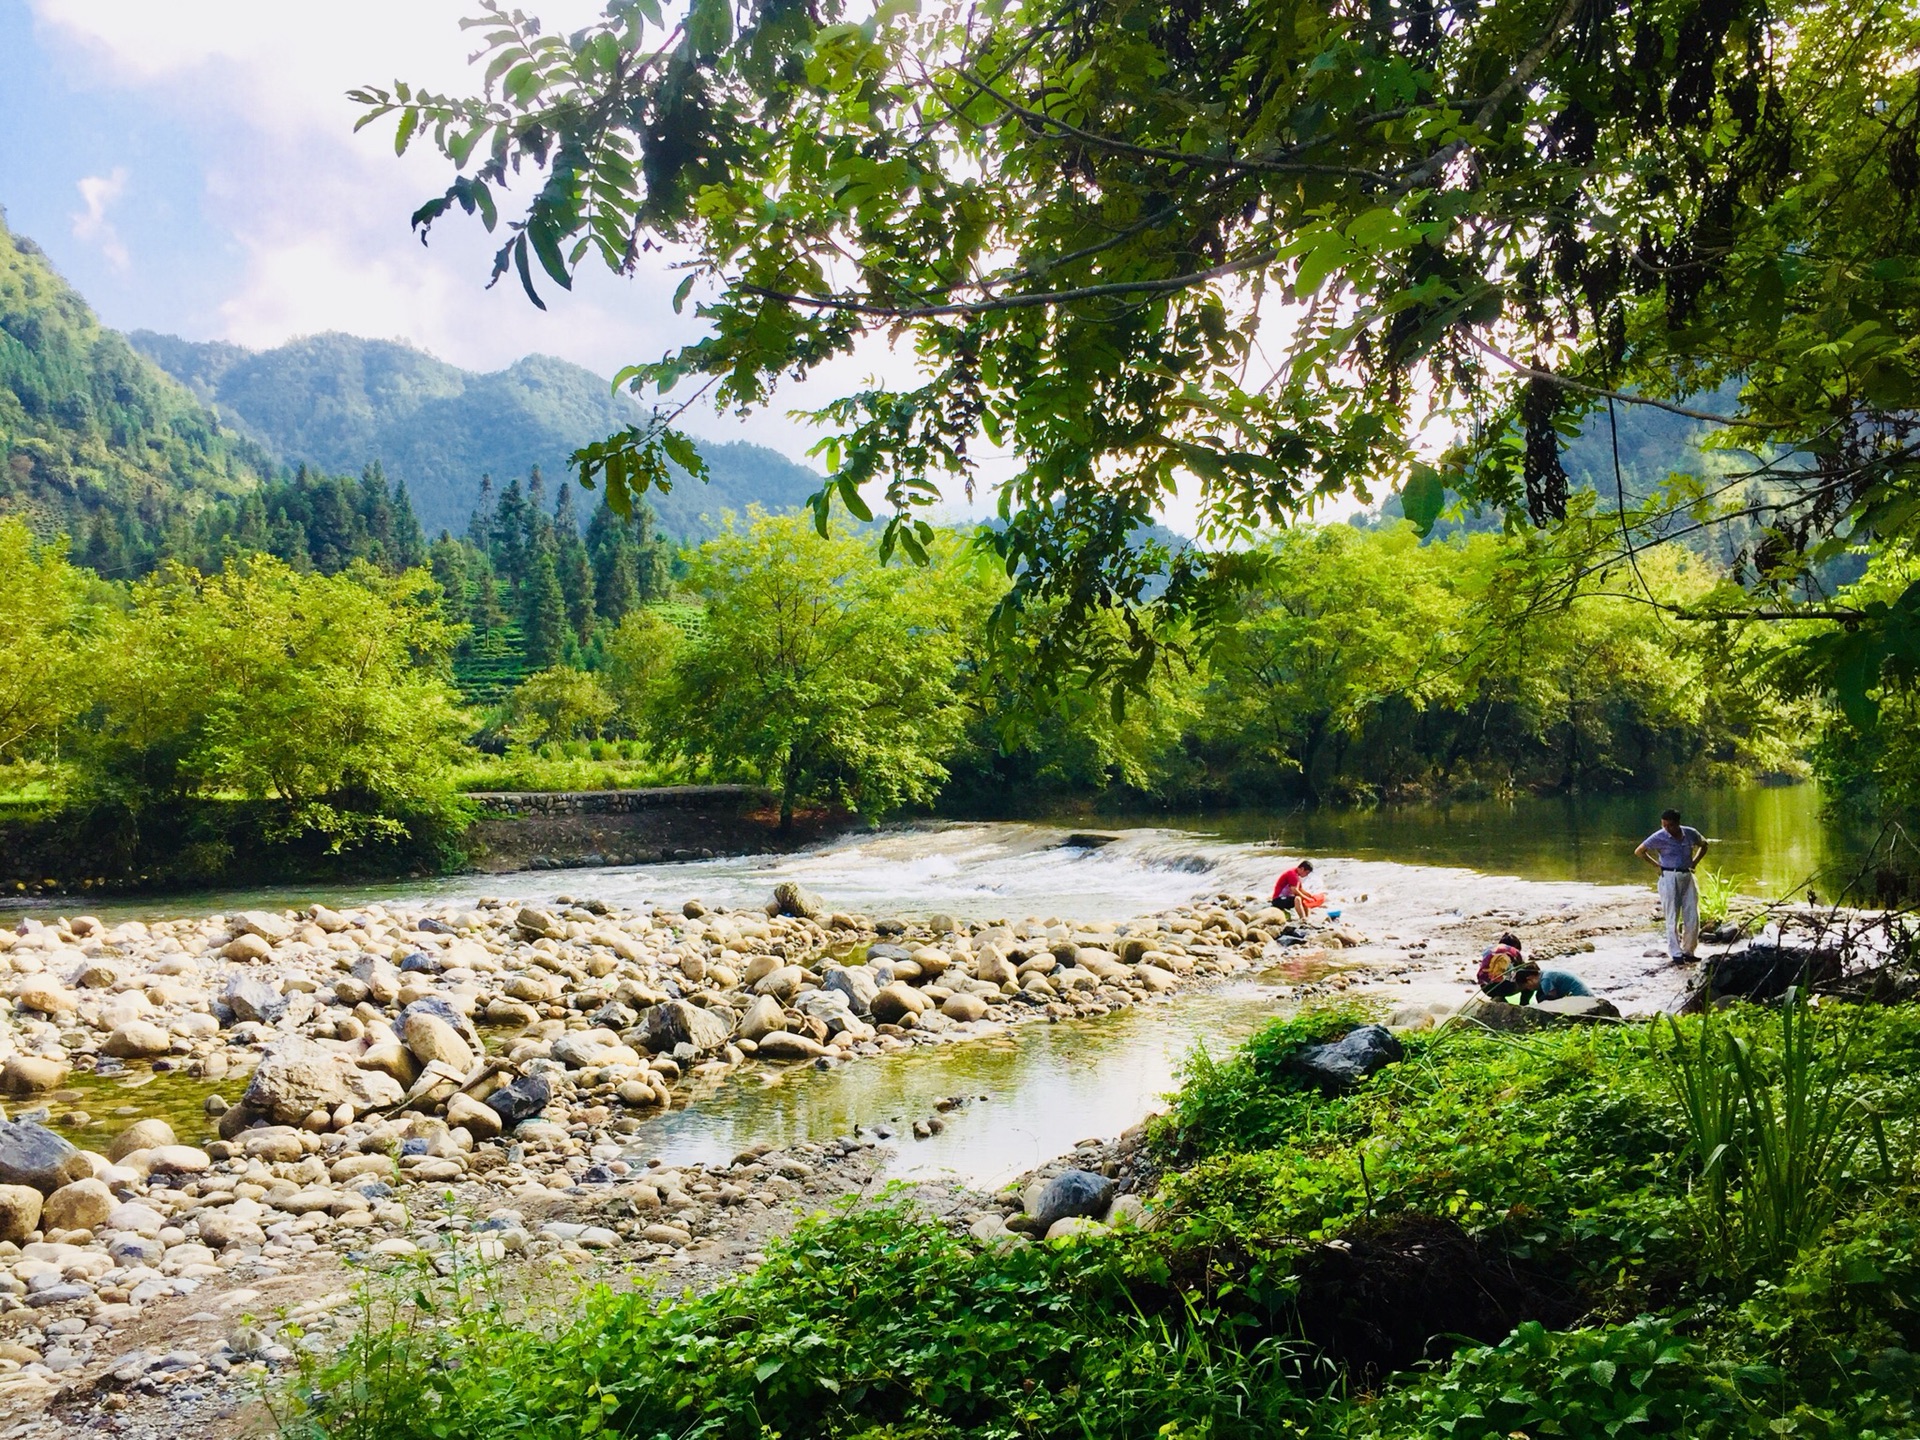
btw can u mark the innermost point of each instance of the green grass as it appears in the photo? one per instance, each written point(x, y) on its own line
point(1574, 1151)
point(576, 765)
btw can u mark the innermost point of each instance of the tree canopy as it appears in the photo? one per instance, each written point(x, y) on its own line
point(1265, 250)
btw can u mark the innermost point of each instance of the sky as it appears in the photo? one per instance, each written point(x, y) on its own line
point(191, 167)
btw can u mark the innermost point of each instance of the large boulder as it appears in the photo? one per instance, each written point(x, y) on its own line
point(33, 1155)
point(1071, 1192)
point(141, 1135)
point(681, 1022)
point(763, 1017)
point(19, 1212)
point(30, 1074)
point(782, 983)
point(430, 1038)
point(81, 1205)
point(443, 1010)
point(521, 1100)
point(538, 924)
point(137, 1040)
point(1347, 1061)
point(252, 998)
point(298, 1076)
point(857, 982)
point(1498, 1015)
point(893, 1003)
point(780, 1045)
point(792, 898)
point(1765, 967)
point(578, 1049)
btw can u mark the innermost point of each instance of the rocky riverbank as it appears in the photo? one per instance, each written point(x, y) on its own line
point(411, 1085)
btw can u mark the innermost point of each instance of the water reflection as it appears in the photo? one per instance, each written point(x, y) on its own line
point(1030, 1094)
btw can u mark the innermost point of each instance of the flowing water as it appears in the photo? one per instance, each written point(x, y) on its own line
point(1032, 1093)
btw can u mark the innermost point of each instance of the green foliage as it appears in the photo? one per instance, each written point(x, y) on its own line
point(1483, 219)
point(558, 703)
point(44, 636)
point(872, 1323)
point(818, 671)
point(1774, 1136)
point(325, 693)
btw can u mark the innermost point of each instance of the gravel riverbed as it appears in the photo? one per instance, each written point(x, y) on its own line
point(394, 1085)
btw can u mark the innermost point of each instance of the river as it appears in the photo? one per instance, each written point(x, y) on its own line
point(1031, 1094)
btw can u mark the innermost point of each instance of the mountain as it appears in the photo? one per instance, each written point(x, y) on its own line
point(340, 402)
point(89, 428)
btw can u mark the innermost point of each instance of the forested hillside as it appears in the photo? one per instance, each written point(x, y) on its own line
point(341, 403)
point(91, 428)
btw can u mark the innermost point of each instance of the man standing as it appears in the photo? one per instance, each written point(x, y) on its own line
point(1675, 849)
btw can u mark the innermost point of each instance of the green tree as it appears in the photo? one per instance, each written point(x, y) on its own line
point(1262, 251)
point(816, 670)
point(558, 703)
point(325, 692)
point(43, 601)
point(641, 656)
point(543, 612)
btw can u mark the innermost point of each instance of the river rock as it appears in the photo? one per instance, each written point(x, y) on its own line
point(782, 984)
point(1765, 967)
point(33, 1155)
point(1069, 1226)
point(830, 1006)
point(134, 1218)
point(578, 1049)
point(1071, 1192)
point(857, 982)
point(19, 1212)
point(264, 923)
point(1498, 1015)
point(430, 1038)
point(178, 1159)
point(892, 1002)
point(252, 998)
point(792, 898)
point(141, 1135)
point(521, 1100)
point(48, 997)
point(331, 921)
point(681, 1022)
point(299, 1076)
point(444, 1011)
point(964, 1006)
point(230, 1227)
point(137, 1040)
point(781, 1045)
point(480, 1120)
point(81, 1205)
point(1340, 1066)
point(763, 1017)
point(246, 950)
point(991, 966)
point(392, 1058)
point(30, 1074)
point(538, 924)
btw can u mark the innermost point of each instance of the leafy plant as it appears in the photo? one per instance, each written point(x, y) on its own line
point(1774, 1135)
point(1718, 891)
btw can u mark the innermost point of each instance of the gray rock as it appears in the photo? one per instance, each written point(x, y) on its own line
point(681, 1022)
point(522, 1100)
point(33, 1155)
point(1765, 967)
point(251, 998)
point(1349, 1060)
point(440, 1009)
point(858, 983)
point(763, 1017)
point(1072, 1192)
point(299, 1076)
point(792, 898)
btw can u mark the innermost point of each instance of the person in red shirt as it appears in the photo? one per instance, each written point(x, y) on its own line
point(1287, 889)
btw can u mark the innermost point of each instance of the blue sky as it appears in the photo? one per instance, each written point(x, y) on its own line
point(190, 166)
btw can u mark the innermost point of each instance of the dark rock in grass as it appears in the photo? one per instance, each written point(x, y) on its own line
point(1499, 1015)
point(522, 1100)
point(1389, 1293)
point(1766, 967)
point(1072, 1192)
point(1340, 1066)
point(33, 1155)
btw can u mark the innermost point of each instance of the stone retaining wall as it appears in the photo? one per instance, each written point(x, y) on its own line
point(555, 830)
point(623, 802)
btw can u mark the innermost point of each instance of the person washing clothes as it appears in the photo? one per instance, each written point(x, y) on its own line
point(1290, 892)
point(1676, 849)
point(1538, 984)
point(1500, 967)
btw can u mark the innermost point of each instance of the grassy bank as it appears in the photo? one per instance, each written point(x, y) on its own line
point(1709, 1231)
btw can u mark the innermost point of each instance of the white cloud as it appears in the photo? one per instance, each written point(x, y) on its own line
point(91, 226)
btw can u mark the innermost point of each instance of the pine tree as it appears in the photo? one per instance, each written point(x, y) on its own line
point(480, 523)
point(409, 542)
point(510, 548)
point(543, 614)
